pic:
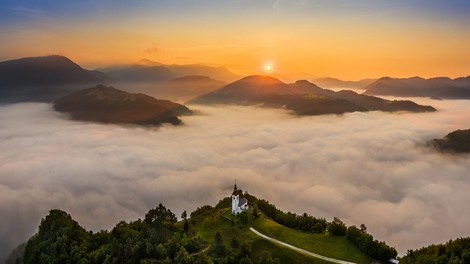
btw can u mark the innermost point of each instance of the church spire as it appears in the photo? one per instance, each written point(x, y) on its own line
point(235, 190)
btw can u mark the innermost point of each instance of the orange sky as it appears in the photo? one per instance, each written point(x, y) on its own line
point(343, 44)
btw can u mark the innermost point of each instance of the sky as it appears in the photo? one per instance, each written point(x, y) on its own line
point(365, 168)
point(348, 39)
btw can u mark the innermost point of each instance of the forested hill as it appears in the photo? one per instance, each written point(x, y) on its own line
point(209, 235)
point(452, 252)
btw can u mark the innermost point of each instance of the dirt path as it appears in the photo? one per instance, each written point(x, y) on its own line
point(303, 251)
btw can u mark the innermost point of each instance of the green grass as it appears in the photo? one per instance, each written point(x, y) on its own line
point(285, 255)
point(208, 224)
point(337, 247)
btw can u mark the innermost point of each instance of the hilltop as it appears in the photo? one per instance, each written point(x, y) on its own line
point(303, 97)
point(150, 71)
point(178, 89)
point(208, 235)
point(439, 88)
point(457, 141)
point(109, 105)
point(43, 78)
point(329, 82)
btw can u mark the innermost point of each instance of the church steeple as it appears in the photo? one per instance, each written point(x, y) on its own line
point(235, 190)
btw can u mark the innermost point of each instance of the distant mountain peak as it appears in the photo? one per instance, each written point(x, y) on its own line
point(44, 77)
point(148, 62)
point(109, 105)
point(188, 78)
point(260, 78)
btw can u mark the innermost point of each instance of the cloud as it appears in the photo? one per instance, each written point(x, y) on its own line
point(152, 49)
point(230, 46)
point(369, 168)
point(28, 12)
point(280, 5)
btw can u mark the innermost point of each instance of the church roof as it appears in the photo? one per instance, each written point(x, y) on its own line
point(242, 201)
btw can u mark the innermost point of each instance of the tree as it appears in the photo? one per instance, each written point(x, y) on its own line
point(266, 258)
point(186, 226)
point(182, 257)
point(202, 258)
point(337, 227)
point(243, 216)
point(255, 212)
point(245, 260)
point(465, 257)
point(234, 243)
point(160, 215)
point(363, 228)
point(245, 250)
point(184, 215)
point(219, 248)
point(318, 228)
point(60, 240)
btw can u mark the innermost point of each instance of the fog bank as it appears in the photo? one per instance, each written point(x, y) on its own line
point(370, 168)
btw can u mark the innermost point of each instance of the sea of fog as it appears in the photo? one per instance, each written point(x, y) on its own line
point(366, 168)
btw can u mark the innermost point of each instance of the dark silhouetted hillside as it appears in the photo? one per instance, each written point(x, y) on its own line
point(456, 141)
point(142, 73)
point(43, 78)
point(248, 89)
point(441, 87)
point(329, 82)
point(150, 71)
point(302, 97)
point(109, 105)
point(371, 103)
point(453, 251)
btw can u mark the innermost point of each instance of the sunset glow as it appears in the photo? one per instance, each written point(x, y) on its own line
point(349, 40)
point(337, 129)
point(268, 68)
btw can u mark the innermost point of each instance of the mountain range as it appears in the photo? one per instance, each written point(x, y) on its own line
point(303, 97)
point(109, 105)
point(150, 71)
point(49, 77)
point(178, 89)
point(438, 88)
point(329, 82)
point(43, 78)
point(457, 141)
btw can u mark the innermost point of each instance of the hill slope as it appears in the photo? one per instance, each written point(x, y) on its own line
point(149, 71)
point(456, 141)
point(178, 89)
point(110, 105)
point(43, 78)
point(441, 87)
point(329, 82)
point(453, 251)
point(207, 235)
point(371, 103)
point(303, 97)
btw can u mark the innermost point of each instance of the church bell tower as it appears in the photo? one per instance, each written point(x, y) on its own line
point(235, 200)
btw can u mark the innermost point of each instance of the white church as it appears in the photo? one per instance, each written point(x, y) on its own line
point(238, 204)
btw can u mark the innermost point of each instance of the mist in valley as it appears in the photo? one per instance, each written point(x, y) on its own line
point(366, 168)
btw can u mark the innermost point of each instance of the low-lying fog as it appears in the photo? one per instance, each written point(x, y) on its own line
point(371, 168)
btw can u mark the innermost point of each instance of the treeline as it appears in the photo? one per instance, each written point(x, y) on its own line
point(374, 248)
point(366, 242)
point(452, 252)
point(302, 222)
point(156, 239)
point(305, 222)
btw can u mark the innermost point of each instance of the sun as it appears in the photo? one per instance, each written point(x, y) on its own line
point(268, 67)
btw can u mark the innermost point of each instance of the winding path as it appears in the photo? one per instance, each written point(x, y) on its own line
point(303, 251)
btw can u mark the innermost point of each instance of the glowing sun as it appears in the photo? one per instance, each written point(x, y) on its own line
point(268, 67)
